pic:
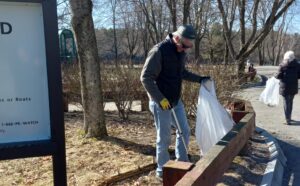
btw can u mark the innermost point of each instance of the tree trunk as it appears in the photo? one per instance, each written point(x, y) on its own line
point(186, 11)
point(173, 11)
point(211, 55)
point(83, 26)
point(241, 68)
point(114, 5)
point(261, 56)
point(277, 59)
point(248, 45)
point(197, 48)
point(226, 55)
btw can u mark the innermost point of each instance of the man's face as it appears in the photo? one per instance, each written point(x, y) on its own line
point(183, 44)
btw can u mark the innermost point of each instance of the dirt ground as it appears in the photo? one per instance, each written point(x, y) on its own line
point(130, 146)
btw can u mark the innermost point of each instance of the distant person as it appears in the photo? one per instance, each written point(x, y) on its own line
point(248, 62)
point(251, 71)
point(162, 77)
point(288, 74)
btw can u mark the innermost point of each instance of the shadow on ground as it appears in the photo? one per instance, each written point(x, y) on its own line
point(291, 151)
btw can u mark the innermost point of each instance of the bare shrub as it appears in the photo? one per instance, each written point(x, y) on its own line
point(119, 84)
point(71, 81)
point(122, 86)
point(224, 77)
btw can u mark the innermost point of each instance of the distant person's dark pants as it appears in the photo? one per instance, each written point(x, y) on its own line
point(288, 106)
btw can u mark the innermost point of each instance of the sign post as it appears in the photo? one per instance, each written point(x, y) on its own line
point(31, 115)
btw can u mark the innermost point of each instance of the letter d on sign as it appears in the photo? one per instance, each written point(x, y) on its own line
point(6, 28)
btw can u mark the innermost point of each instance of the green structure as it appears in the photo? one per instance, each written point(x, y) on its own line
point(68, 52)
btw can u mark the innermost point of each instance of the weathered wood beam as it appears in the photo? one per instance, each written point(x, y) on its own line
point(212, 166)
point(208, 170)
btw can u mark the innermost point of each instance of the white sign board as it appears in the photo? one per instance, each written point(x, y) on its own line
point(24, 101)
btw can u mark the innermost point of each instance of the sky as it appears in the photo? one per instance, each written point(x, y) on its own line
point(103, 18)
point(294, 13)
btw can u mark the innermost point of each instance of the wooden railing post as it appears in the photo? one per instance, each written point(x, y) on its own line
point(173, 171)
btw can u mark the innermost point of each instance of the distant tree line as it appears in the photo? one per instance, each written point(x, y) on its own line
point(230, 31)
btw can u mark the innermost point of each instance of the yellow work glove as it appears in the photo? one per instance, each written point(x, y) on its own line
point(164, 103)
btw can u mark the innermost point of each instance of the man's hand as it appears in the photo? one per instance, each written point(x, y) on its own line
point(204, 78)
point(165, 105)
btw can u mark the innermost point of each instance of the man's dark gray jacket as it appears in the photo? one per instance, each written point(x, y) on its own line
point(164, 71)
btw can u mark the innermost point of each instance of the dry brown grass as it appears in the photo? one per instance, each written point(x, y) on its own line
point(130, 145)
point(89, 161)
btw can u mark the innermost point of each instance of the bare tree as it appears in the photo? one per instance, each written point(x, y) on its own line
point(156, 21)
point(272, 47)
point(130, 20)
point(113, 4)
point(173, 11)
point(248, 45)
point(186, 11)
point(203, 17)
point(92, 101)
point(277, 39)
point(261, 54)
point(64, 14)
point(231, 7)
point(294, 44)
point(143, 26)
point(215, 43)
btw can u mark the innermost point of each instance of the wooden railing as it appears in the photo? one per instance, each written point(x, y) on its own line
point(209, 169)
point(107, 96)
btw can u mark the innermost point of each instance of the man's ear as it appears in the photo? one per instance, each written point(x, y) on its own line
point(176, 38)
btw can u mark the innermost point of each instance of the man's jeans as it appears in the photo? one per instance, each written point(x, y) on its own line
point(288, 106)
point(163, 120)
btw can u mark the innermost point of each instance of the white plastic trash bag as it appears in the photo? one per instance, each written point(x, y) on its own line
point(270, 95)
point(213, 121)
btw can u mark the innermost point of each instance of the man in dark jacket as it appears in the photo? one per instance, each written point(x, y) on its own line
point(162, 77)
point(288, 74)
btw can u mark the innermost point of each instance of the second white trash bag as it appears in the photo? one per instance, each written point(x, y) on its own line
point(270, 95)
point(213, 121)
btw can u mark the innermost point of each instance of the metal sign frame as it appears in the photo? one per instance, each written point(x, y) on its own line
point(56, 145)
